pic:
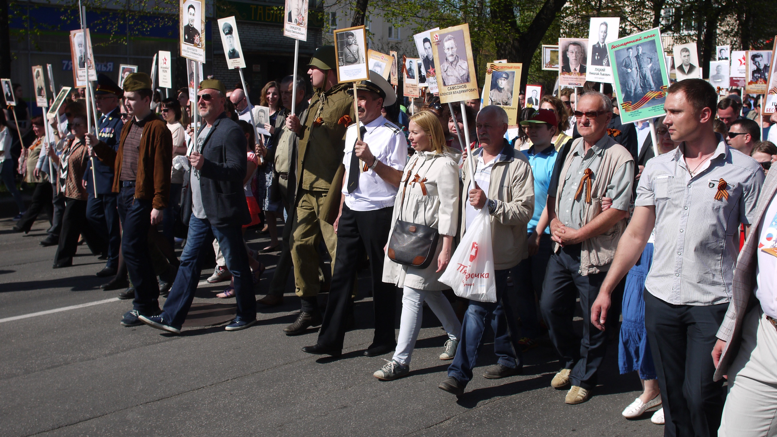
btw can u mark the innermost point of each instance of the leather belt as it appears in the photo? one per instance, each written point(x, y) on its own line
point(284, 176)
point(127, 184)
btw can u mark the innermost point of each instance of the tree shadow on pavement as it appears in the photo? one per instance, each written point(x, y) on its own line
point(74, 283)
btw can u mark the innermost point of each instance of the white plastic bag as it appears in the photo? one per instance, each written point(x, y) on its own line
point(471, 271)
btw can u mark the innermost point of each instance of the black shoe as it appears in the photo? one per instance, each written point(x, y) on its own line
point(303, 322)
point(322, 350)
point(166, 281)
point(127, 294)
point(499, 371)
point(453, 385)
point(60, 264)
point(105, 272)
point(115, 284)
point(103, 256)
point(18, 229)
point(382, 349)
point(50, 241)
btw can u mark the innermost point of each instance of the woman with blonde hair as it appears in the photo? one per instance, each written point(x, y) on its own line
point(428, 195)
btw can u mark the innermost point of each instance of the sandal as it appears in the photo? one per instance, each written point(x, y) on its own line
point(227, 293)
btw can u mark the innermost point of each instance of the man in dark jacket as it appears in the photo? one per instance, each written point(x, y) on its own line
point(215, 204)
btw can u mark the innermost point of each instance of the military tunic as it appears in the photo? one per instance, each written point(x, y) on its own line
point(454, 73)
point(502, 97)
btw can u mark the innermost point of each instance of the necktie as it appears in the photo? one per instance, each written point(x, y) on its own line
point(353, 169)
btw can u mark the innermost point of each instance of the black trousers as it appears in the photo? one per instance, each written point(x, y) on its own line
point(135, 215)
point(563, 284)
point(681, 338)
point(59, 212)
point(41, 202)
point(360, 232)
point(103, 215)
point(73, 225)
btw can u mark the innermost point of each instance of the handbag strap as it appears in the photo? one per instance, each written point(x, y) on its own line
point(417, 178)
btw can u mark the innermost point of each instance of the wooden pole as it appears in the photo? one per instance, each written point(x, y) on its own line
point(19, 132)
point(470, 167)
point(458, 134)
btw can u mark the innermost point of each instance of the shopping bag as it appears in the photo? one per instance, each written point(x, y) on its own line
point(471, 271)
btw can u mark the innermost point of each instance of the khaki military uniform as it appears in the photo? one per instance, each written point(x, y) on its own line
point(501, 97)
point(454, 73)
point(319, 175)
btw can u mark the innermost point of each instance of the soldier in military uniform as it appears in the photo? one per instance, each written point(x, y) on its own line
point(760, 72)
point(232, 53)
point(101, 211)
point(499, 94)
point(319, 176)
point(351, 53)
point(190, 33)
point(454, 70)
point(599, 50)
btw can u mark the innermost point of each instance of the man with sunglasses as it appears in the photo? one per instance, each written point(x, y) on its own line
point(101, 210)
point(743, 134)
point(595, 167)
point(214, 205)
point(141, 177)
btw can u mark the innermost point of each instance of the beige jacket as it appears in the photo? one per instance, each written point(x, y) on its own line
point(512, 187)
point(438, 208)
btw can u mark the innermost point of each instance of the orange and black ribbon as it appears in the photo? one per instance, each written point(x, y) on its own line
point(722, 190)
point(586, 181)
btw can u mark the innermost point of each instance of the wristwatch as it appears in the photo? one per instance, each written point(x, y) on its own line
point(374, 163)
point(491, 206)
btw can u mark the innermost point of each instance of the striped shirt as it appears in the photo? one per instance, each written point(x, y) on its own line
point(697, 238)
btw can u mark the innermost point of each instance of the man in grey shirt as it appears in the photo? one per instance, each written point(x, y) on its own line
point(695, 198)
point(596, 167)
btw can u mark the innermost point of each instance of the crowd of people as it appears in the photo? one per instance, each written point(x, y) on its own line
point(672, 245)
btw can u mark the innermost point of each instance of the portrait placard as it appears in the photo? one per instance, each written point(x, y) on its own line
point(63, 93)
point(394, 64)
point(165, 69)
point(409, 78)
point(453, 64)
point(550, 58)
point(295, 22)
point(190, 68)
point(50, 71)
point(572, 71)
point(533, 96)
point(380, 63)
point(640, 74)
point(230, 42)
point(192, 25)
point(719, 74)
point(722, 52)
point(8, 95)
point(262, 114)
point(82, 57)
point(351, 51)
point(758, 65)
point(503, 84)
point(39, 85)
point(423, 43)
point(124, 71)
point(601, 31)
point(770, 105)
point(686, 61)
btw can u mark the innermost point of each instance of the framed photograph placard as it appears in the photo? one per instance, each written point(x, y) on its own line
point(423, 43)
point(719, 77)
point(380, 63)
point(192, 25)
point(722, 53)
point(351, 53)
point(601, 31)
point(686, 61)
point(54, 108)
point(503, 84)
point(230, 41)
point(758, 64)
point(8, 95)
point(533, 96)
point(573, 68)
point(770, 104)
point(453, 64)
point(39, 84)
point(82, 57)
point(640, 74)
point(550, 58)
point(295, 20)
point(394, 65)
point(124, 71)
point(410, 77)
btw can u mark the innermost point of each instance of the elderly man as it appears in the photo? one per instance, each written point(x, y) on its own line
point(505, 186)
point(141, 177)
point(214, 205)
point(694, 199)
point(364, 221)
point(743, 134)
point(596, 167)
point(599, 50)
point(318, 180)
point(454, 69)
point(729, 110)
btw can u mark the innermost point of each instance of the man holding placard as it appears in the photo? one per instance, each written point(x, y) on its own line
point(319, 176)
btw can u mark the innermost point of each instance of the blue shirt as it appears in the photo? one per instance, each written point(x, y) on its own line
point(542, 166)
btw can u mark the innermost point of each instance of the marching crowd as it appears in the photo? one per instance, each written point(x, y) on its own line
point(676, 252)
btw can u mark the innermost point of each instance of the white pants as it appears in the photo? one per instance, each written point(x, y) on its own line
point(751, 405)
point(412, 316)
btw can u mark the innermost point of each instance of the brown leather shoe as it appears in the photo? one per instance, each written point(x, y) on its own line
point(303, 322)
point(271, 300)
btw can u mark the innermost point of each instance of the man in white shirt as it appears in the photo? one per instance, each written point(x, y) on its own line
point(373, 170)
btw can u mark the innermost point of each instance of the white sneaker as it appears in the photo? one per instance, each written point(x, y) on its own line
point(638, 408)
point(658, 417)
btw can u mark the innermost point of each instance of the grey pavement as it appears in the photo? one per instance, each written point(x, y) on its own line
point(78, 372)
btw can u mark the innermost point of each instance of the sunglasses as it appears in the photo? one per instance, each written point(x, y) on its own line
point(735, 134)
point(589, 114)
point(766, 165)
point(205, 97)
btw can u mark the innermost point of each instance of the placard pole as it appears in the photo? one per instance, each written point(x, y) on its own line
point(470, 167)
point(248, 101)
point(294, 85)
point(653, 136)
point(16, 120)
point(458, 134)
point(195, 114)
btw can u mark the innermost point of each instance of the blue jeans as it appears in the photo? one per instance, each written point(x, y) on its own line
point(201, 234)
point(10, 181)
point(501, 317)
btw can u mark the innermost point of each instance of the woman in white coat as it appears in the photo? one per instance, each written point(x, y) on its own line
point(428, 195)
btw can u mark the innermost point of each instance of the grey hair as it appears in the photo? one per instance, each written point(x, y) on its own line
point(300, 82)
point(498, 113)
point(606, 102)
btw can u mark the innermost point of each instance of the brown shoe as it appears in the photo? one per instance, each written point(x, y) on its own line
point(271, 300)
point(577, 395)
point(561, 380)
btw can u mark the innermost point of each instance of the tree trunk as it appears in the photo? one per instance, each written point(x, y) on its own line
point(5, 40)
point(359, 11)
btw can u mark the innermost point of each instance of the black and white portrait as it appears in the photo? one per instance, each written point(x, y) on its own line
point(262, 115)
point(722, 52)
point(10, 99)
point(351, 52)
point(719, 76)
point(230, 41)
point(599, 48)
point(410, 66)
point(501, 92)
point(573, 57)
point(191, 28)
point(639, 70)
point(533, 96)
point(39, 84)
point(454, 67)
point(393, 74)
point(759, 66)
point(686, 61)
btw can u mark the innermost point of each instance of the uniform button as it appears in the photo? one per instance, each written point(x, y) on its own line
point(686, 208)
point(677, 274)
point(681, 231)
point(679, 253)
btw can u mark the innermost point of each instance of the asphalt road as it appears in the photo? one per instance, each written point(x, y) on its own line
point(72, 369)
